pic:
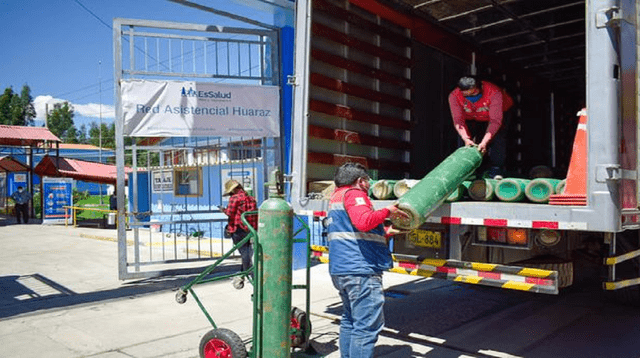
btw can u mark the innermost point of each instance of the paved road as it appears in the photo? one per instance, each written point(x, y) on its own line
point(60, 297)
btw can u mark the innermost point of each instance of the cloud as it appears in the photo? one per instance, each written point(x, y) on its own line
point(89, 110)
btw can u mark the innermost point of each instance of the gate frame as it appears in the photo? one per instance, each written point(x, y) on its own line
point(271, 62)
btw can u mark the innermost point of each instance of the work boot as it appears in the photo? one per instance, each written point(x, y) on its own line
point(238, 282)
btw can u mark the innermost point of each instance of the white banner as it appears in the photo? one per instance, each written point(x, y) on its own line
point(183, 109)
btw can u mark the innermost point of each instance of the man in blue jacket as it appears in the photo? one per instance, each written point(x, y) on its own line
point(358, 254)
point(21, 197)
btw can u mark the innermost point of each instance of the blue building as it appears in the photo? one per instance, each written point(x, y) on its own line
point(84, 152)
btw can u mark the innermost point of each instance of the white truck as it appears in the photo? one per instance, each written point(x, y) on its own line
point(371, 83)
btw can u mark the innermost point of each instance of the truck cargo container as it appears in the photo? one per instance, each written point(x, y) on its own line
point(371, 83)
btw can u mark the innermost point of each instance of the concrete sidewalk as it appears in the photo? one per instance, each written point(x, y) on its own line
point(60, 297)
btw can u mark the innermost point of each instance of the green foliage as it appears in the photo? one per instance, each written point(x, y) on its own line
point(108, 135)
point(91, 202)
point(144, 158)
point(78, 196)
point(82, 134)
point(71, 136)
point(5, 106)
point(26, 102)
point(17, 109)
point(60, 122)
point(37, 203)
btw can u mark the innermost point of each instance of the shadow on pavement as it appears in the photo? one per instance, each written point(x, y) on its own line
point(31, 293)
point(6, 220)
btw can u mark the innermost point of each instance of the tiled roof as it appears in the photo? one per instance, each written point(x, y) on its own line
point(9, 164)
point(21, 135)
point(77, 169)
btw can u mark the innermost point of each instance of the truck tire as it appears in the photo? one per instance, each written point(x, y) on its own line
point(564, 267)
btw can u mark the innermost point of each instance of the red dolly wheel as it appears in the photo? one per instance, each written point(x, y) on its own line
point(222, 343)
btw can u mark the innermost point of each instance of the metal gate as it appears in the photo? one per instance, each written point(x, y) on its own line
point(169, 218)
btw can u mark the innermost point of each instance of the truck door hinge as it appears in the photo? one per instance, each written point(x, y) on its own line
point(608, 17)
point(292, 80)
point(608, 172)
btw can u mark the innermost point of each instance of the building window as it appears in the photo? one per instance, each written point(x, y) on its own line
point(210, 156)
point(175, 157)
point(248, 149)
point(188, 181)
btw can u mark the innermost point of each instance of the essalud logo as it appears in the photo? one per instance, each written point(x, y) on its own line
point(204, 94)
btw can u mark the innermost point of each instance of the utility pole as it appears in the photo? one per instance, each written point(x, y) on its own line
point(100, 133)
point(100, 90)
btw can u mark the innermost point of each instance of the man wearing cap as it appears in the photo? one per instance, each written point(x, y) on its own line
point(21, 197)
point(239, 203)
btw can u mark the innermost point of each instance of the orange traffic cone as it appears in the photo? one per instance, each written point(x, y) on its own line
point(575, 191)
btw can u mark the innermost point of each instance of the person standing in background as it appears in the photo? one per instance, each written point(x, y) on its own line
point(21, 197)
point(239, 203)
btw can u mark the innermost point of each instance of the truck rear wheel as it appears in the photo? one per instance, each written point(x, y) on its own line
point(553, 263)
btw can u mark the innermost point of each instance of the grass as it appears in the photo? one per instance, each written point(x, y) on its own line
point(92, 202)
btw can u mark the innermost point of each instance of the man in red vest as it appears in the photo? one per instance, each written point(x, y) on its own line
point(477, 109)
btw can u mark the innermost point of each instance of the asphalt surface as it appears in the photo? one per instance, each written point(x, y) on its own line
point(61, 297)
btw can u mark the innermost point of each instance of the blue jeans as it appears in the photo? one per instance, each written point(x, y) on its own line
point(246, 251)
point(362, 317)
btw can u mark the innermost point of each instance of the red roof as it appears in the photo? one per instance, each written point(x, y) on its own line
point(9, 164)
point(77, 169)
point(29, 136)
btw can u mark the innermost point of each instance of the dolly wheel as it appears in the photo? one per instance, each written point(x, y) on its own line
point(300, 334)
point(222, 343)
point(181, 297)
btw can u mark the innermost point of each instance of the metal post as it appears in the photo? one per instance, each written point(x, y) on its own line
point(120, 181)
point(100, 133)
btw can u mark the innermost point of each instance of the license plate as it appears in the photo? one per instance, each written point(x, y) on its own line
point(426, 238)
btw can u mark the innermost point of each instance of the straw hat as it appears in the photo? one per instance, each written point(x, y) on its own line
point(229, 186)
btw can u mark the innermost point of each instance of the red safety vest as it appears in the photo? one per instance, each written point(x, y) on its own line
point(479, 110)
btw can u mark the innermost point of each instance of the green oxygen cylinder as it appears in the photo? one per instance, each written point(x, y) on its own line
point(435, 187)
point(403, 186)
point(539, 190)
point(511, 189)
point(459, 193)
point(275, 233)
point(383, 189)
point(483, 189)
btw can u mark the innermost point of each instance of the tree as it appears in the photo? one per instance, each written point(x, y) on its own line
point(5, 106)
point(17, 109)
point(61, 121)
point(82, 134)
point(108, 135)
point(28, 110)
point(71, 135)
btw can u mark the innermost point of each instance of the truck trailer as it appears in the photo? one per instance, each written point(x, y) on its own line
point(371, 81)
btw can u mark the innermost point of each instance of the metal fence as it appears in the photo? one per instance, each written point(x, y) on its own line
point(175, 184)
